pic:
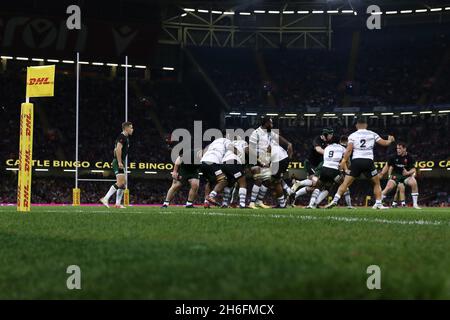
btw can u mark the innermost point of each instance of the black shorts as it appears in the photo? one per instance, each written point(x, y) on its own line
point(311, 168)
point(329, 175)
point(233, 171)
point(279, 168)
point(364, 166)
point(211, 171)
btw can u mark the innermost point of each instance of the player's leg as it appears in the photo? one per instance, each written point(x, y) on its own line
point(242, 182)
point(312, 201)
point(348, 180)
point(221, 183)
point(322, 195)
point(402, 194)
point(348, 199)
point(279, 193)
point(286, 188)
point(255, 189)
point(121, 184)
point(391, 184)
point(193, 191)
point(234, 194)
point(412, 182)
point(377, 192)
point(226, 197)
point(113, 189)
point(176, 185)
point(278, 169)
point(262, 194)
point(308, 182)
point(207, 191)
point(328, 177)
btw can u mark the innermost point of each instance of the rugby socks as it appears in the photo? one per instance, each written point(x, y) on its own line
point(119, 196)
point(286, 187)
point(301, 192)
point(166, 203)
point(414, 197)
point(213, 194)
point(323, 194)
point(336, 198)
point(378, 202)
point(315, 194)
point(255, 191)
point(262, 193)
point(242, 196)
point(306, 183)
point(111, 191)
point(226, 196)
point(234, 194)
point(348, 199)
point(281, 202)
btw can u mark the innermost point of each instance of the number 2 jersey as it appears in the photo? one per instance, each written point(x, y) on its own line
point(363, 141)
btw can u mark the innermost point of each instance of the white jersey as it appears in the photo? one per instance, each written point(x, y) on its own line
point(363, 142)
point(278, 153)
point(231, 157)
point(216, 150)
point(332, 155)
point(262, 139)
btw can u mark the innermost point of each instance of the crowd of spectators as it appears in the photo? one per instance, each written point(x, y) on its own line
point(383, 69)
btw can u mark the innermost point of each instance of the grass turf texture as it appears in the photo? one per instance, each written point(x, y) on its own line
point(177, 253)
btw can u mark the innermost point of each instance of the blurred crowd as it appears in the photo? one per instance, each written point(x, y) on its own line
point(390, 69)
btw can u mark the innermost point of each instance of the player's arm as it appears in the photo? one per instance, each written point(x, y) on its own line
point(319, 149)
point(383, 142)
point(409, 172)
point(253, 151)
point(290, 149)
point(385, 169)
point(119, 147)
point(346, 158)
point(231, 147)
point(317, 146)
point(176, 166)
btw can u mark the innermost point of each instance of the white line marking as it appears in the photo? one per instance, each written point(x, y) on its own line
point(281, 216)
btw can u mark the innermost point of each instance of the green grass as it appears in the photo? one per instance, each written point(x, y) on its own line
point(177, 253)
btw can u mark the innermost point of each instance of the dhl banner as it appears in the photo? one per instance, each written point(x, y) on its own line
point(40, 81)
point(25, 157)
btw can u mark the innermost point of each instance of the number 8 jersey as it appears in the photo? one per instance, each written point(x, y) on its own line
point(363, 141)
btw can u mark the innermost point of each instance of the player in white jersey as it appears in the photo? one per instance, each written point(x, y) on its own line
point(234, 167)
point(262, 140)
point(211, 166)
point(330, 173)
point(361, 143)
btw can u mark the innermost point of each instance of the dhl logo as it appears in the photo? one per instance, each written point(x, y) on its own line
point(26, 196)
point(38, 81)
point(28, 124)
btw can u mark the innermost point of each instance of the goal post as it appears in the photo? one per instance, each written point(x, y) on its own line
point(76, 191)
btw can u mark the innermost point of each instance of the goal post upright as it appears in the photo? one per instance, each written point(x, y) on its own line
point(76, 191)
point(126, 196)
